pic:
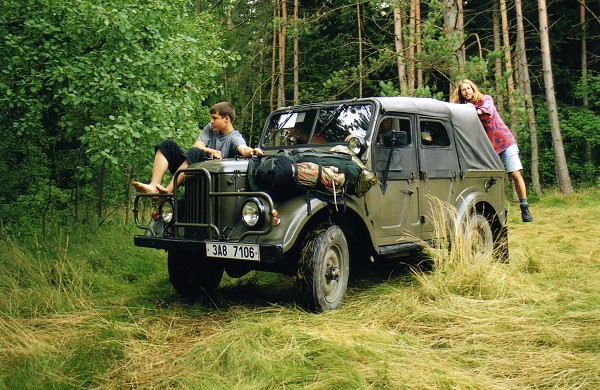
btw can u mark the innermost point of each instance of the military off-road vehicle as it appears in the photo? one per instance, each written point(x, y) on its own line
point(418, 149)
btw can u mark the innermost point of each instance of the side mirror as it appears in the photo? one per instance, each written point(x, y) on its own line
point(394, 139)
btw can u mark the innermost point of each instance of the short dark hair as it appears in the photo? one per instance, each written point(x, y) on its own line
point(223, 109)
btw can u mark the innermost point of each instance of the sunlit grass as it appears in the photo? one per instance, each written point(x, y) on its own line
point(97, 312)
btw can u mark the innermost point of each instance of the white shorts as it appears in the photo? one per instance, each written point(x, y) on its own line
point(511, 159)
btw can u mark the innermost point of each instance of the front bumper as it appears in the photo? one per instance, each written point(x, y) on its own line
point(269, 254)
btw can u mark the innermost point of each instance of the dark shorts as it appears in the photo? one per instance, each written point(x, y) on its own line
point(176, 156)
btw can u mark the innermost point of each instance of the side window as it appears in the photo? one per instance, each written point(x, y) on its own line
point(392, 124)
point(433, 134)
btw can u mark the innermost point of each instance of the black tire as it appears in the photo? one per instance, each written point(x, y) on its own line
point(323, 269)
point(501, 245)
point(480, 234)
point(192, 274)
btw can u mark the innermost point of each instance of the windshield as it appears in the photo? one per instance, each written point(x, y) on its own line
point(318, 125)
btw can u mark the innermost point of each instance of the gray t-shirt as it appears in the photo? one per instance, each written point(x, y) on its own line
point(227, 144)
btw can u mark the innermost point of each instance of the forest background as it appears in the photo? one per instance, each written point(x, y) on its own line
point(88, 87)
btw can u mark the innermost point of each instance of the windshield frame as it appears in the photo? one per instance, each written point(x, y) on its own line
point(328, 124)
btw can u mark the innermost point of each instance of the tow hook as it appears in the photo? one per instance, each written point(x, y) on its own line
point(488, 184)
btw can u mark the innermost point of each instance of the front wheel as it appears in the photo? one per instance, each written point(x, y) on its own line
point(323, 269)
point(191, 274)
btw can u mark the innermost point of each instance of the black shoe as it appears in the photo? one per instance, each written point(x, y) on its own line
point(525, 214)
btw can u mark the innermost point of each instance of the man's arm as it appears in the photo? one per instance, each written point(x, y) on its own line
point(212, 153)
point(247, 151)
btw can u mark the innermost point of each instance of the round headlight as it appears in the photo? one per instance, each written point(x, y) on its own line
point(166, 212)
point(357, 145)
point(253, 212)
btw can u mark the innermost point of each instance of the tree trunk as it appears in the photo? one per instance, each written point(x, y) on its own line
point(399, 49)
point(296, 55)
point(510, 84)
point(584, 83)
point(410, 52)
point(462, 55)
point(562, 170)
point(282, 45)
point(274, 56)
point(130, 175)
point(419, 42)
point(583, 52)
point(452, 25)
point(100, 173)
point(499, 99)
point(360, 54)
point(525, 86)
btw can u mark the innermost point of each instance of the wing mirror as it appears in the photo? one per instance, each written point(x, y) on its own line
point(394, 139)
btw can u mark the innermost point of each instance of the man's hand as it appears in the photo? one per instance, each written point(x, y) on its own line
point(247, 151)
point(213, 153)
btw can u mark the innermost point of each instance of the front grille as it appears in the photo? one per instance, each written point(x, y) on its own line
point(196, 206)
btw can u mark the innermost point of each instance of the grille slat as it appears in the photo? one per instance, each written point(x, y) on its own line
point(196, 205)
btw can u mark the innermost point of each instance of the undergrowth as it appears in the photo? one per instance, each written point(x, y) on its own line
point(82, 310)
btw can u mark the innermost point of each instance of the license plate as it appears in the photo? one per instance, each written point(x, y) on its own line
point(235, 251)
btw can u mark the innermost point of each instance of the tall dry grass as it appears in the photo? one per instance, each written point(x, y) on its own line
point(465, 323)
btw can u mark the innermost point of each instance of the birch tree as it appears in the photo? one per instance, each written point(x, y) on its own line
point(510, 84)
point(399, 46)
point(562, 170)
point(282, 47)
point(360, 53)
point(499, 99)
point(525, 86)
point(296, 55)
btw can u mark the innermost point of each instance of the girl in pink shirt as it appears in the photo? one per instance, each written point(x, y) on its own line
point(498, 133)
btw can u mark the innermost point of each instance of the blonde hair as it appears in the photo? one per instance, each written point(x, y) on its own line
point(457, 97)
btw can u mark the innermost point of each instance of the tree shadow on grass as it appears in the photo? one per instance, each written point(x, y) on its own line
point(260, 289)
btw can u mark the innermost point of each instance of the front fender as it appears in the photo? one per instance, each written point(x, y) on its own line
point(293, 215)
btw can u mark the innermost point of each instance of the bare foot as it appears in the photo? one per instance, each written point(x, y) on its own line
point(161, 189)
point(144, 188)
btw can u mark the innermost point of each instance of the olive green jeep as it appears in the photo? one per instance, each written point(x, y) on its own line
point(418, 149)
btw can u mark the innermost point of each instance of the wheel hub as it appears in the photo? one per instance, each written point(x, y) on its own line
point(333, 273)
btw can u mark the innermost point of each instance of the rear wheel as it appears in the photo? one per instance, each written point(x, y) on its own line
point(479, 233)
point(192, 274)
point(323, 269)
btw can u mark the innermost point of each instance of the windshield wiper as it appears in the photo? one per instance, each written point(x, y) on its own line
point(289, 114)
point(333, 115)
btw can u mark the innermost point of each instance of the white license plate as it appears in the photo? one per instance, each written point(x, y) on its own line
point(235, 251)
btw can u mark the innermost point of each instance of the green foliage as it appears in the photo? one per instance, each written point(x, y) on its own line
point(87, 84)
point(88, 87)
point(591, 88)
point(118, 74)
point(581, 138)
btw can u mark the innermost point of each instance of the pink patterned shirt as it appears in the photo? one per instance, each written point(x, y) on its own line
point(495, 128)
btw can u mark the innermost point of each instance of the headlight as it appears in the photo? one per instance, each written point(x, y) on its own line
point(166, 212)
point(358, 145)
point(253, 213)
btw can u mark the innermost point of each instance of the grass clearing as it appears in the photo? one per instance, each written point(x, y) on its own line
point(97, 312)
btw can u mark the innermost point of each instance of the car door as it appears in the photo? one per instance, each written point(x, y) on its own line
point(438, 168)
point(394, 210)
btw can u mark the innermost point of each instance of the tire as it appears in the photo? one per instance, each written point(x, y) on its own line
point(192, 274)
point(479, 232)
point(501, 245)
point(323, 269)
